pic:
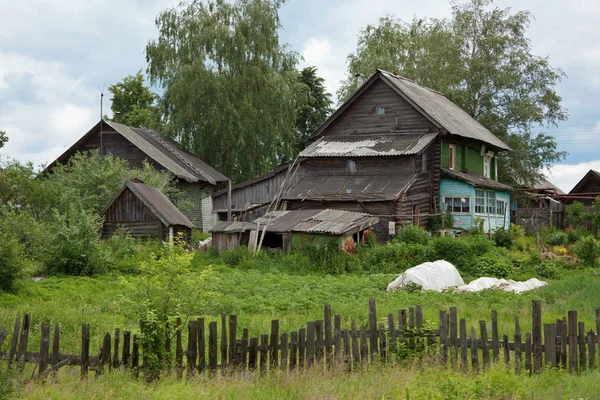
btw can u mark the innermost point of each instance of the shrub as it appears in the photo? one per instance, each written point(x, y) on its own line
point(575, 214)
point(123, 254)
point(516, 232)
point(330, 260)
point(503, 238)
point(11, 262)
point(479, 244)
point(587, 249)
point(234, 257)
point(549, 269)
point(477, 227)
point(438, 222)
point(556, 238)
point(493, 265)
point(393, 257)
point(453, 250)
point(412, 234)
point(573, 235)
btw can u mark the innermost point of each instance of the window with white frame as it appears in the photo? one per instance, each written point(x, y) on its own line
point(457, 204)
point(452, 156)
point(491, 201)
point(501, 207)
point(480, 201)
point(487, 166)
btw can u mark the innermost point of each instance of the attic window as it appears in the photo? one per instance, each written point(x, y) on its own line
point(351, 166)
point(452, 156)
point(380, 110)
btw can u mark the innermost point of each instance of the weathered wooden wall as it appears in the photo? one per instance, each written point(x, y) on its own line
point(129, 212)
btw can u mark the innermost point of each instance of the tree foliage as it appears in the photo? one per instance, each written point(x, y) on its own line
point(231, 90)
point(316, 109)
point(135, 102)
point(3, 139)
point(481, 59)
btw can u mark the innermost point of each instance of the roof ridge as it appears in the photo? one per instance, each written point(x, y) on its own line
point(175, 153)
point(393, 74)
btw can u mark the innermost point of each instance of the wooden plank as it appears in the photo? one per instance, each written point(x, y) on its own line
point(572, 329)
point(293, 350)
point(126, 353)
point(223, 341)
point(284, 352)
point(201, 345)
point(55, 344)
point(591, 342)
point(310, 343)
point(419, 317)
point(495, 338)
point(212, 346)
point(528, 352)
point(319, 352)
point(559, 339)
point(328, 334)
point(337, 344)
point(44, 348)
point(373, 336)
point(253, 354)
point(392, 331)
point(536, 335)
point(411, 317)
point(484, 344)
point(23, 342)
point(14, 340)
point(116, 344)
point(474, 351)
point(464, 361)
point(518, 356)
point(274, 344)
point(443, 337)
point(598, 321)
point(453, 335)
point(563, 347)
point(264, 350)
point(106, 346)
point(85, 349)
point(192, 347)
point(302, 347)
point(364, 346)
point(355, 345)
point(401, 324)
point(346, 339)
point(550, 344)
point(506, 350)
point(233, 340)
point(382, 343)
point(243, 358)
point(582, 349)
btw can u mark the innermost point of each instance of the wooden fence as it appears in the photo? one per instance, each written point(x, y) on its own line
point(563, 343)
point(535, 219)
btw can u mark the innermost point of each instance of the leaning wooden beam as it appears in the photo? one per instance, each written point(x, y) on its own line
point(54, 368)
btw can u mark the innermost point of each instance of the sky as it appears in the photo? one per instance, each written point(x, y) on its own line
point(56, 57)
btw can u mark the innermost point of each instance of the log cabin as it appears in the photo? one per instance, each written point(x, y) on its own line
point(196, 179)
point(395, 150)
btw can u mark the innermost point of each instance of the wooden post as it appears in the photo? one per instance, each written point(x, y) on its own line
point(484, 344)
point(550, 344)
point(411, 317)
point(293, 350)
point(179, 348)
point(355, 345)
point(192, 347)
point(495, 338)
point(116, 342)
point(302, 347)
point(443, 337)
point(347, 354)
point(319, 353)
point(373, 327)
point(106, 347)
point(253, 355)
point(14, 341)
point(284, 351)
point(212, 346)
point(392, 330)
point(243, 358)
point(135, 354)
point(223, 342)
point(581, 342)
point(85, 349)
point(233, 340)
point(337, 345)
point(201, 345)
point(564, 343)
point(464, 361)
point(264, 349)
point(274, 344)
point(310, 343)
point(528, 352)
point(23, 341)
point(419, 316)
point(518, 357)
point(364, 346)
point(506, 350)
point(401, 324)
point(328, 335)
point(474, 351)
point(573, 356)
point(591, 342)
point(453, 335)
point(537, 335)
point(44, 348)
point(55, 344)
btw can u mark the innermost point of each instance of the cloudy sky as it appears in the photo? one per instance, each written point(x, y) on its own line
point(56, 57)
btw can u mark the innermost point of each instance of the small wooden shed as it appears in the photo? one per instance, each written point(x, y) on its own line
point(145, 211)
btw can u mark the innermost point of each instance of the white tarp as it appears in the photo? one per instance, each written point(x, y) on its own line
point(503, 284)
point(436, 275)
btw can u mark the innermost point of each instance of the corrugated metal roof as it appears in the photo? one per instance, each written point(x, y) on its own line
point(154, 199)
point(232, 227)
point(475, 180)
point(447, 114)
point(336, 222)
point(369, 145)
point(349, 187)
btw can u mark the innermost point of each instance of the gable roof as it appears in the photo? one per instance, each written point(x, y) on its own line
point(156, 201)
point(545, 184)
point(442, 112)
point(368, 145)
point(163, 151)
point(591, 174)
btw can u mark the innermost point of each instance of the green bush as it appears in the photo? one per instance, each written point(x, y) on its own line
point(453, 250)
point(477, 227)
point(503, 238)
point(234, 257)
point(330, 260)
point(557, 238)
point(11, 262)
point(587, 249)
point(438, 222)
point(393, 257)
point(123, 254)
point(549, 269)
point(516, 232)
point(493, 265)
point(573, 235)
point(479, 244)
point(412, 234)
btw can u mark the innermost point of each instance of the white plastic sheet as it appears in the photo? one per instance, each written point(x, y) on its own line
point(503, 284)
point(436, 275)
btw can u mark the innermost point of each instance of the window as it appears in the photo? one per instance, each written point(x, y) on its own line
point(351, 166)
point(491, 202)
point(501, 207)
point(459, 204)
point(380, 110)
point(487, 166)
point(423, 162)
point(479, 201)
point(452, 156)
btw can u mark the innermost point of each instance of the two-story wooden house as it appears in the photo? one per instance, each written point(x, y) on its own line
point(398, 151)
point(196, 179)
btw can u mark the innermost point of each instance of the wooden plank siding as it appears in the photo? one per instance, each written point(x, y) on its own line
point(361, 117)
point(130, 213)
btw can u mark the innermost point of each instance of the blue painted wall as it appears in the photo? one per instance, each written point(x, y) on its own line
point(455, 188)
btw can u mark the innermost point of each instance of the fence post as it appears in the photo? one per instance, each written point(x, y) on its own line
point(85, 349)
point(373, 327)
point(274, 344)
point(44, 348)
point(55, 344)
point(537, 335)
point(573, 341)
point(201, 345)
point(233, 341)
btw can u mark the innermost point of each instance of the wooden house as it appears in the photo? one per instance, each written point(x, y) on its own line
point(586, 190)
point(395, 150)
point(295, 230)
point(196, 179)
point(145, 212)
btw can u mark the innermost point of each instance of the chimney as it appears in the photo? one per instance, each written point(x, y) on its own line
point(118, 117)
point(360, 79)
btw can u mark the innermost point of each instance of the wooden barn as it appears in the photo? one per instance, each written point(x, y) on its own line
point(145, 212)
point(395, 150)
point(586, 190)
point(196, 179)
point(295, 230)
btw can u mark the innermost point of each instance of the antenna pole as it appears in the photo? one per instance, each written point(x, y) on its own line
point(101, 101)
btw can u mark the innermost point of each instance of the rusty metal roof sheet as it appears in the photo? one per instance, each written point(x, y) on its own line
point(364, 145)
point(350, 187)
point(447, 114)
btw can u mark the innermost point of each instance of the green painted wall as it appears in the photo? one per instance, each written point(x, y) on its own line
point(467, 158)
point(301, 240)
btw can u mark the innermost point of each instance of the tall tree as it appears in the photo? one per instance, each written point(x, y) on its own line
point(317, 107)
point(231, 90)
point(481, 60)
point(135, 102)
